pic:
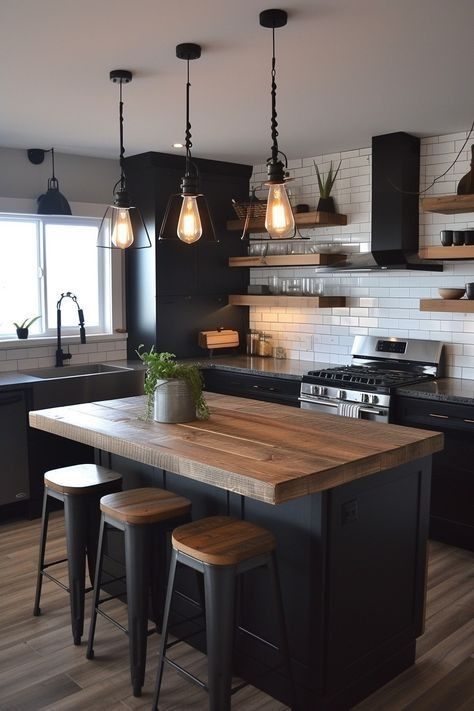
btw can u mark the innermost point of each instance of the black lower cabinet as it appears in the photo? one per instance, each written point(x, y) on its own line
point(352, 564)
point(284, 391)
point(452, 489)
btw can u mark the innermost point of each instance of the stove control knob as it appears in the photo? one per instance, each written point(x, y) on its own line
point(365, 397)
point(323, 391)
point(315, 390)
point(342, 395)
point(374, 399)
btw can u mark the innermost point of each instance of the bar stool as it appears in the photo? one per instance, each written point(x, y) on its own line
point(144, 515)
point(79, 487)
point(221, 548)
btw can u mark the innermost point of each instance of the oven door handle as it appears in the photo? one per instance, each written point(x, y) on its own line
point(328, 403)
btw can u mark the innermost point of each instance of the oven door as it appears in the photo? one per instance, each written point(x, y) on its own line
point(331, 407)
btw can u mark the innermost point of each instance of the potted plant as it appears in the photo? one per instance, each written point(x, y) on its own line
point(22, 328)
point(326, 201)
point(173, 390)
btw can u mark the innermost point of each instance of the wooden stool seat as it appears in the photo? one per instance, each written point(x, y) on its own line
point(80, 479)
point(222, 540)
point(144, 506)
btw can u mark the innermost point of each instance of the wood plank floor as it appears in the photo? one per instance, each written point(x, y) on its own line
point(40, 668)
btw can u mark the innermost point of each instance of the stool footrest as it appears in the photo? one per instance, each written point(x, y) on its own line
point(55, 580)
point(54, 562)
point(194, 679)
point(117, 624)
point(259, 639)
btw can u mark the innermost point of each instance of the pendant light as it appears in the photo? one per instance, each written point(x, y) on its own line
point(279, 218)
point(119, 232)
point(52, 202)
point(194, 220)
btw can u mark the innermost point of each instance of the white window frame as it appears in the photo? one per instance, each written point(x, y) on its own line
point(110, 275)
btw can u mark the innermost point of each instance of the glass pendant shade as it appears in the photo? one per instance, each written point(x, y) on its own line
point(189, 223)
point(121, 228)
point(279, 218)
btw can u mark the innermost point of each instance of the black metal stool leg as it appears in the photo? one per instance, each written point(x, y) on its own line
point(219, 585)
point(158, 575)
point(41, 555)
point(284, 647)
point(137, 561)
point(164, 631)
point(93, 527)
point(96, 591)
point(75, 517)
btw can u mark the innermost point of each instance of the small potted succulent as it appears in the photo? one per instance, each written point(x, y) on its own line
point(173, 390)
point(326, 201)
point(22, 328)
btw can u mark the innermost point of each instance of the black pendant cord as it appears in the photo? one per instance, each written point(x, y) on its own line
point(274, 122)
point(122, 149)
point(53, 177)
point(188, 136)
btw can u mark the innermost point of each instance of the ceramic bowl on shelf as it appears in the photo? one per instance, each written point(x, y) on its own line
point(451, 293)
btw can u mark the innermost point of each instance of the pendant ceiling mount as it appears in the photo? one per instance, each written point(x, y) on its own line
point(273, 18)
point(188, 51)
point(120, 76)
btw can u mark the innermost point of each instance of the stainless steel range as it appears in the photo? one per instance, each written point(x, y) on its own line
point(365, 388)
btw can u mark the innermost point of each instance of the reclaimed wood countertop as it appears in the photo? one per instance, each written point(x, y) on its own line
point(267, 452)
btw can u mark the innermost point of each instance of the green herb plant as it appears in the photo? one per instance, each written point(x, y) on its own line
point(26, 323)
point(163, 366)
point(326, 183)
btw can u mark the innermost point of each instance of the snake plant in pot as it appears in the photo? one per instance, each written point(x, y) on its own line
point(173, 390)
point(325, 184)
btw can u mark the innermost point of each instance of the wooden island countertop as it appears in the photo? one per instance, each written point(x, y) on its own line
point(263, 451)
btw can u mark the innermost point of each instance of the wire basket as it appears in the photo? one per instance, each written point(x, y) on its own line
point(249, 210)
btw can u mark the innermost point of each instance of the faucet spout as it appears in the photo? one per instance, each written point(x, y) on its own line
point(60, 355)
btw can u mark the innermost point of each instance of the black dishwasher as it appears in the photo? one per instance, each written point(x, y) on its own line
point(452, 487)
point(14, 482)
point(284, 391)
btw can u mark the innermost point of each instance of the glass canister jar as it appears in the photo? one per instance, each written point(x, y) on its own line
point(264, 345)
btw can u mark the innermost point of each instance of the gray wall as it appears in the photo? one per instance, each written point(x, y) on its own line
point(81, 178)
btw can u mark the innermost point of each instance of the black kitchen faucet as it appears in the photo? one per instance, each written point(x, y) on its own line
point(60, 355)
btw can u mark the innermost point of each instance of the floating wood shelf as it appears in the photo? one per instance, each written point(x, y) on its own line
point(448, 305)
point(286, 260)
point(448, 204)
point(312, 302)
point(303, 219)
point(461, 252)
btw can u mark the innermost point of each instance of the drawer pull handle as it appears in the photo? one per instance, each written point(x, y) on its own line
point(471, 421)
point(444, 417)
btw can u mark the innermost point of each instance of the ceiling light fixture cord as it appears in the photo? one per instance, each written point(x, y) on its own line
point(188, 136)
point(122, 149)
point(274, 123)
point(52, 162)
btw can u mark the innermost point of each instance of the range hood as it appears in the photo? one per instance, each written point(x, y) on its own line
point(395, 218)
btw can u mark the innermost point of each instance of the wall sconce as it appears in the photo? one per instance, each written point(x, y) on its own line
point(52, 202)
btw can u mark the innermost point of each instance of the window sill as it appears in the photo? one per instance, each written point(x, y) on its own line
point(33, 342)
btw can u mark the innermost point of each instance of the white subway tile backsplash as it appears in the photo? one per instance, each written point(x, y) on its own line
point(379, 303)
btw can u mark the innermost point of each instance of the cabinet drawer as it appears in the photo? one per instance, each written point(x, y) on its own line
point(259, 387)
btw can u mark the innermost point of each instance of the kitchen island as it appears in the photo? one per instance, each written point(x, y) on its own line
point(347, 500)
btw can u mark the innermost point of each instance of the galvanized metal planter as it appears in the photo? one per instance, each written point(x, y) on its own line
point(173, 402)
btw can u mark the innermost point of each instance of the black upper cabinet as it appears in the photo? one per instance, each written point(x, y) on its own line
point(158, 279)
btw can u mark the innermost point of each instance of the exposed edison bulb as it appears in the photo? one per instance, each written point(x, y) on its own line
point(189, 223)
point(279, 219)
point(122, 233)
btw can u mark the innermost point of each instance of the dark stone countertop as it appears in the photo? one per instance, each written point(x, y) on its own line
point(255, 365)
point(455, 390)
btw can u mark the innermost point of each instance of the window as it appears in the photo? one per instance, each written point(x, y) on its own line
point(40, 258)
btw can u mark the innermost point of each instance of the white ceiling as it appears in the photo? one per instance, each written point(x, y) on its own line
point(346, 70)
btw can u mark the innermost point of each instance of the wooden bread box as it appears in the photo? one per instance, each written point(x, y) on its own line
point(222, 338)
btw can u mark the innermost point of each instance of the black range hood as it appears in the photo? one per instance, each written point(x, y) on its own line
point(395, 218)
